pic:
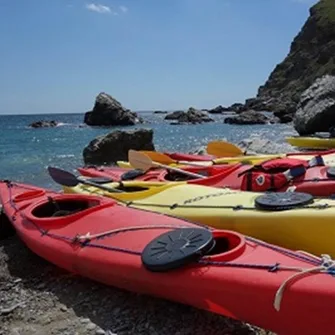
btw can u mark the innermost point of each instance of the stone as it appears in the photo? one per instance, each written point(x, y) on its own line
point(108, 149)
point(219, 110)
point(192, 116)
point(257, 145)
point(174, 115)
point(43, 124)
point(107, 111)
point(237, 107)
point(248, 117)
point(316, 108)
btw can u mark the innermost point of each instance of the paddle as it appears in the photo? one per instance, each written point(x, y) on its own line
point(165, 159)
point(66, 178)
point(224, 149)
point(143, 162)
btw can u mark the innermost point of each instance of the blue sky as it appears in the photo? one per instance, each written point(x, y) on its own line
point(56, 56)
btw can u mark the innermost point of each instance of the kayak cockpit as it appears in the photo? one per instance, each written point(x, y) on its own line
point(65, 208)
point(61, 207)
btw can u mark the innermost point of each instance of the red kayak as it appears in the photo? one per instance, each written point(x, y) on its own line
point(278, 175)
point(145, 252)
point(114, 173)
point(179, 156)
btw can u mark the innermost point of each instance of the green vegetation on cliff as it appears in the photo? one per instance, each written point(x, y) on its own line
point(325, 12)
point(312, 55)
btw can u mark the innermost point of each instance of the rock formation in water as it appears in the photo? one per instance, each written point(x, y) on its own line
point(43, 124)
point(248, 117)
point(192, 116)
point(108, 149)
point(107, 111)
point(311, 55)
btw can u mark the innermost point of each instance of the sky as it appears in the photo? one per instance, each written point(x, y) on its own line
point(57, 55)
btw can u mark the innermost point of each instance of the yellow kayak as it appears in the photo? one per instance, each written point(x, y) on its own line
point(329, 159)
point(307, 225)
point(311, 142)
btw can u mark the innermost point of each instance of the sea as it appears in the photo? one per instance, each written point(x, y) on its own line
point(25, 152)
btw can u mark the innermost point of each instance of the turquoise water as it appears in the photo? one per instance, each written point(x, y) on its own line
point(25, 153)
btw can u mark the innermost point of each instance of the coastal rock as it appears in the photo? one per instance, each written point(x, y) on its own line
point(248, 117)
point(219, 110)
point(258, 145)
point(107, 111)
point(160, 112)
point(191, 116)
point(43, 124)
point(237, 107)
point(108, 149)
point(316, 108)
point(311, 56)
point(174, 115)
point(199, 151)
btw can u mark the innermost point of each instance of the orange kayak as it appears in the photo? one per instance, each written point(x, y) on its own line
point(216, 270)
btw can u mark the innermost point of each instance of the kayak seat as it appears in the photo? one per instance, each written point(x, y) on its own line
point(177, 176)
point(129, 189)
point(132, 174)
point(63, 207)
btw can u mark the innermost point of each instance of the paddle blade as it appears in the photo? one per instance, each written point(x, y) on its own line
point(139, 160)
point(63, 177)
point(159, 157)
point(223, 149)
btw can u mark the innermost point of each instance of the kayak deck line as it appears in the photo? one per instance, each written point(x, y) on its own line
point(89, 237)
point(235, 208)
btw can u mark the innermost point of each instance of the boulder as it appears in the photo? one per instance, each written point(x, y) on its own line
point(191, 116)
point(107, 111)
point(248, 117)
point(219, 110)
point(316, 108)
point(237, 107)
point(43, 124)
point(200, 151)
point(256, 145)
point(108, 149)
point(174, 115)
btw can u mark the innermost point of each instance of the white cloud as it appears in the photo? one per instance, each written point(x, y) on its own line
point(123, 9)
point(98, 8)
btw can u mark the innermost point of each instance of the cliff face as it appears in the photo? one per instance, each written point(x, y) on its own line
point(312, 55)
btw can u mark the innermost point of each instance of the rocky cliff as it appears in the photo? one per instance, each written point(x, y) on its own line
point(311, 55)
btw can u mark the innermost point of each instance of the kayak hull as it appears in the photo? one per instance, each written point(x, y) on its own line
point(327, 155)
point(315, 180)
point(179, 156)
point(233, 280)
point(311, 142)
point(311, 229)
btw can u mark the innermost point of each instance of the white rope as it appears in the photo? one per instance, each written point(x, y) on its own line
point(325, 266)
point(88, 236)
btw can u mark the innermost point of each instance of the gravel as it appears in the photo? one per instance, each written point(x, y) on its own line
point(39, 298)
